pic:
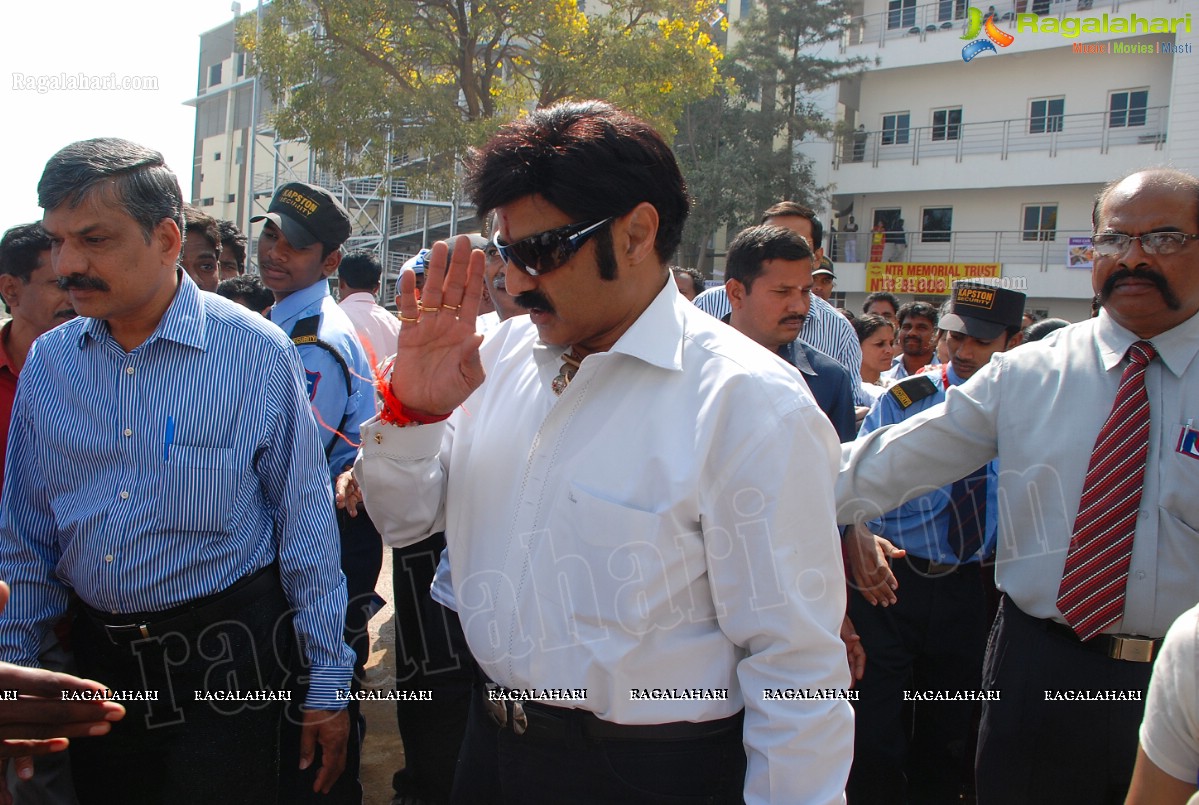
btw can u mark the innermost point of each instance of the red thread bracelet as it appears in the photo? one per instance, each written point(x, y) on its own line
point(395, 413)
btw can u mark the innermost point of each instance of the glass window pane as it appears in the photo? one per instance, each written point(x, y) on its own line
point(1118, 110)
point(1138, 105)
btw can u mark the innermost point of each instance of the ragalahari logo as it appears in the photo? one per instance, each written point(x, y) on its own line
point(976, 23)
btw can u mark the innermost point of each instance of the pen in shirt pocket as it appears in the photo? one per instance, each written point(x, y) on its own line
point(168, 439)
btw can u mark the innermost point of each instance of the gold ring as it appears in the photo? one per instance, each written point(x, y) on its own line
point(409, 318)
point(450, 307)
point(424, 309)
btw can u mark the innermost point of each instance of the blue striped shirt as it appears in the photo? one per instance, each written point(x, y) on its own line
point(147, 479)
point(823, 328)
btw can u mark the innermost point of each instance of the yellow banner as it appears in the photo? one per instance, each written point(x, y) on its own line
point(925, 278)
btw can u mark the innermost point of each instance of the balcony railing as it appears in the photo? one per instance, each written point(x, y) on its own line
point(1044, 248)
point(919, 22)
point(1047, 134)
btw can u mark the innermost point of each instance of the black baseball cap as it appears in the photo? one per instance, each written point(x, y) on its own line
point(982, 311)
point(825, 267)
point(307, 214)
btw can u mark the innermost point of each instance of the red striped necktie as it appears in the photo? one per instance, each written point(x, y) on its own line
point(1091, 596)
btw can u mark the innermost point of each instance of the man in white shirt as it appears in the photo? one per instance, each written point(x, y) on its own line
point(358, 279)
point(1061, 726)
point(659, 610)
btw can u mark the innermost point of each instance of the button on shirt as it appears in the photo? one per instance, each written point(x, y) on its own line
point(921, 525)
point(222, 474)
point(326, 381)
point(823, 327)
point(1039, 407)
point(637, 533)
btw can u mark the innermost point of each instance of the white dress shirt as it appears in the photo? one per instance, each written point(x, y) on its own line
point(377, 328)
point(635, 533)
point(1039, 407)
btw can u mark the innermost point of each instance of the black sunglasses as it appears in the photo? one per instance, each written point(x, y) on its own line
point(542, 253)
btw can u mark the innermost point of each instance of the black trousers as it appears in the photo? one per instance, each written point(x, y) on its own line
point(563, 764)
point(431, 655)
point(1035, 751)
point(179, 750)
point(932, 639)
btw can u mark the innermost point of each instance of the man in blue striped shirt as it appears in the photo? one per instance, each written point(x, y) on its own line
point(824, 328)
point(164, 467)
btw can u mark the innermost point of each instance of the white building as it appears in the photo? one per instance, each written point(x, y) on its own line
point(998, 160)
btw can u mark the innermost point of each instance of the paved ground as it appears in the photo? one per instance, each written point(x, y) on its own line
point(383, 754)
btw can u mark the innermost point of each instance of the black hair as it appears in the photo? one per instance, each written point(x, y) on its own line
point(233, 240)
point(202, 224)
point(360, 270)
point(142, 185)
point(1039, 329)
point(590, 160)
point(697, 279)
point(794, 208)
point(922, 309)
point(867, 325)
point(881, 296)
point(247, 289)
point(756, 245)
point(20, 249)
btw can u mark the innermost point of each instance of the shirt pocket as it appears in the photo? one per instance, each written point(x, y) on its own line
point(199, 486)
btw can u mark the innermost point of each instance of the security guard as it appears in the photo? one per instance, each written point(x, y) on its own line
point(299, 248)
point(929, 644)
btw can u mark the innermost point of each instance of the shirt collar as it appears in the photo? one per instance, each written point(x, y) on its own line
point(656, 337)
point(299, 301)
point(1176, 347)
point(359, 297)
point(183, 321)
point(797, 356)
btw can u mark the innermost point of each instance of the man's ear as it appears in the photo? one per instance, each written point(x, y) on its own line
point(1016, 340)
point(641, 231)
point(10, 289)
point(736, 293)
point(331, 262)
point(168, 240)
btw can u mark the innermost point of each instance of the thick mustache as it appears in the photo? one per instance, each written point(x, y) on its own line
point(82, 282)
point(792, 320)
point(533, 300)
point(1168, 296)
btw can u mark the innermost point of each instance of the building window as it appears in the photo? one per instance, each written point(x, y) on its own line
point(950, 10)
point(947, 123)
point(1045, 115)
point(206, 202)
point(214, 74)
point(901, 13)
point(216, 157)
point(1127, 108)
point(936, 224)
point(239, 62)
point(895, 128)
point(747, 6)
point(232, 197)
point(1040, 222)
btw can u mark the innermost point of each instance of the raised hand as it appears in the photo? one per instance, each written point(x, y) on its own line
point(437, 355)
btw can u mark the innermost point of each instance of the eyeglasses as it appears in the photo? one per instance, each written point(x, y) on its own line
point(542, 253)
point(1110, 244)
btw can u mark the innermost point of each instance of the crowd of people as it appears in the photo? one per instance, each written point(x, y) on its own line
point(651, 542)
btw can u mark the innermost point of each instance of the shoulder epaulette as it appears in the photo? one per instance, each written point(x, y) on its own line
point(912, 390)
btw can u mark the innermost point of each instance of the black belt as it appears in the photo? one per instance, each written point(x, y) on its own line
point(543, 721)
point(1130, 648)
point(122, 629)
point(927, 567)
